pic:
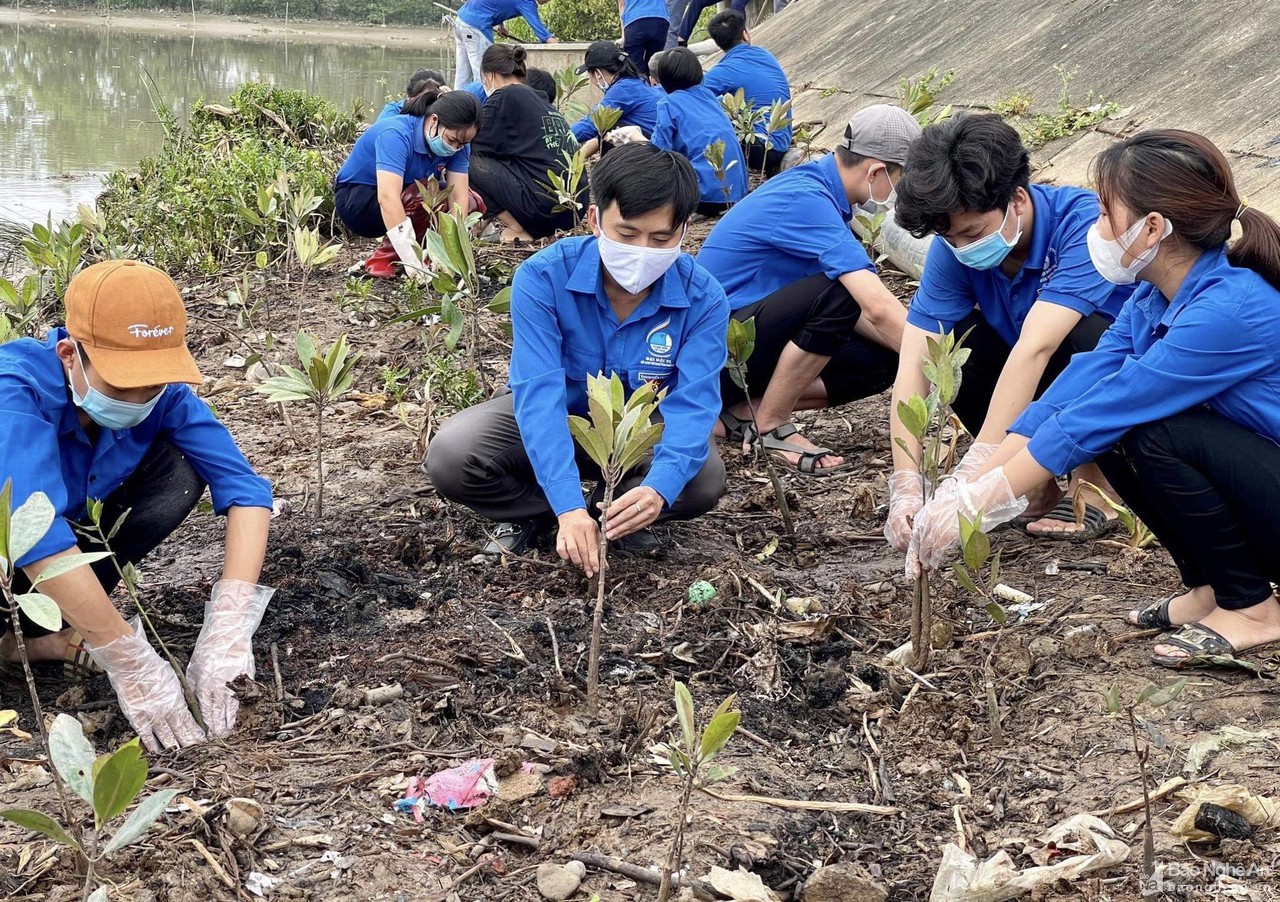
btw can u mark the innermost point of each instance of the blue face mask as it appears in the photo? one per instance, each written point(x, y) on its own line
point(989, 251)
point(110, 413)
point(440, 147)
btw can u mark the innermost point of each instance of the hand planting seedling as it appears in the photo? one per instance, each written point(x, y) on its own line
point(616, 438)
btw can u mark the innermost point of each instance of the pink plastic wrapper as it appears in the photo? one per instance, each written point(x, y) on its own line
point(468, 785)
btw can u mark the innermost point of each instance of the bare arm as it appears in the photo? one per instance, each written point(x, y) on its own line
point(1043, 331)
point(80, 597)
point(246, 544)
point(910, 381)
point(390, 187)
point(883, 316)
point(459, 185)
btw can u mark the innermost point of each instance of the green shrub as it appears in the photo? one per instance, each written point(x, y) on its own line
point(373, 12)
point(574, 20)
point(184, 207)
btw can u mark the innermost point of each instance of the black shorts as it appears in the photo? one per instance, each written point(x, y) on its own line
point(358, 208)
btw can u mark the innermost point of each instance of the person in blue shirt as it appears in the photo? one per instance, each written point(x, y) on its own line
point(474, 27)
point(626, 301)
point(827, 329)
point(1010, 268)
point(693, 12)
point(624, 89)
point(644, 29)
point(417, 82)
point(756, 73)
point(1179, 403)
point(102, 412)
point(690, 119)
point(376, 191)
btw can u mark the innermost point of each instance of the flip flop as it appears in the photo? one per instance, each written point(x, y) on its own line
point(1096, 525)
point(1155, 616)
point(76, 665)
point(1205, 647)
point(775, 443)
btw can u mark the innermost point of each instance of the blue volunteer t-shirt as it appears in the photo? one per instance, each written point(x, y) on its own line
point(1216, 343)
point(638, 101)
point(476, 90)
point(392, 108)
point(483, 15)
point(398, 145)
point(1058, 271)
point(43, 447)
point(793, 226)
point(634, 10)
point(689, 121)
point(757, 73)
point(564, 329)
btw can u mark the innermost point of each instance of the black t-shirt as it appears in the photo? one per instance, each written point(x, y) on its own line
point(525, 131)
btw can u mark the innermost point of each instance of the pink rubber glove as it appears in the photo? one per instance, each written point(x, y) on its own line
point(148, 691)
point(979, 454)
point(906, 497)
point(937, 526)
point(224, 649)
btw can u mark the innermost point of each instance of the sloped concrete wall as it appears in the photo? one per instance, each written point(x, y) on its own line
point(1211, 66)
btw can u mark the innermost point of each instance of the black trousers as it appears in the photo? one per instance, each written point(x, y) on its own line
point(358, 208)
point(757, 152)
point(505, 188)
point(818, 314)
point(991, 352)
point(643, 38)
point(1209, 489)
point(478, 459)
point(158, 496)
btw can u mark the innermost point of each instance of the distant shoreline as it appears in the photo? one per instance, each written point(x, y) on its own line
point(246, 27)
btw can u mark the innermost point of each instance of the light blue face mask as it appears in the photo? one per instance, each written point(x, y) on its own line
point(439, 146)
point(989, 251)
point(110, 413)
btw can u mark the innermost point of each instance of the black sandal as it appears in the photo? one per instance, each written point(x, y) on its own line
point(1205, 647)
point(1095, 526)
point(775, 443)
point(735, 427)
point(1155, 616)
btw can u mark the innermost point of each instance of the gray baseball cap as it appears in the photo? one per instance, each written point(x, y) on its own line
point(881, 131)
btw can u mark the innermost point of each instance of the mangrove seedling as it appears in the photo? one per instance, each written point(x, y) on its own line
point(56, 253)
point(744, 115)
point(925, 420)
point(742, 342)
point(690, 758)
point(311, 255)
point(873, 223)
point(605, 119)
point(1156, 697)
point(326, 376)
point(21, 310)
point(570, 81)
point(108, 784)
point(714, 154)
point(778, 117)
point(617, 437)
point(975, 551)
point(565, 187)
point(1140, 535)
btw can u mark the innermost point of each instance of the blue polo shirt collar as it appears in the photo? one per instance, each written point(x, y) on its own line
point(418, 136)
point(1041, 230)
point(830, 171)
point(587, 278)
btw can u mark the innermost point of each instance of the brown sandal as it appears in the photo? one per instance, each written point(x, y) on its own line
point(1205, 647)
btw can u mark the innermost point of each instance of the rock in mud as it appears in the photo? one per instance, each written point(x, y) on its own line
point(243, 816)
point(560, 881)
point(847, 882)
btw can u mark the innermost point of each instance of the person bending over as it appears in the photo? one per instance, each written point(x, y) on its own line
point(827, 329)
point(1179, 403)
point(644, 29)
point(756, 73)
point(102, 411)
point(624, 89)
point(1010, 267)
point(475, 24)
point(376, 191)
point(523, 138)
point(417, 83)
point(624, 300)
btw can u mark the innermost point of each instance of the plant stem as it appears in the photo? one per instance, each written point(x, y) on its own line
point(779, 490)
point(319, 460)
point(675, 857)
point(1148, 838)
point(597, 618)
point(922, 622)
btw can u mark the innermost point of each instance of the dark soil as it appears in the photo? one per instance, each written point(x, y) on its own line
point(492, 660)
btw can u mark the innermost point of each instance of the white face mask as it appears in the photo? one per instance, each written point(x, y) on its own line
point(878, 206)
point(1108, 254)
point(636, 268)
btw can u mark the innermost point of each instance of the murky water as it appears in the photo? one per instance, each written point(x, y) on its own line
point(74, 104)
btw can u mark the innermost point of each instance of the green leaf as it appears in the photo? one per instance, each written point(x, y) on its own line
point(42, 610)
point(28, 525)
point(718, 733)
point(6, 503)
point(914, 416)
point(977, 547)
point(997, 612)
point(306, 347)
point(1111, 699)
point(137, 824)
point(963, 577)
point(40, 823)
point(438, 252)
point(995, 569)
point(501, 302)
point(118, 781)
point(589, 440)
point(68, 563)
point(684, 713)
point(72, 755)
point(1166, 694)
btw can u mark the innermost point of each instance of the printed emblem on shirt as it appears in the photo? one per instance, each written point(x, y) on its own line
point(660, 343)
point(1050, 265)
point(657, 380)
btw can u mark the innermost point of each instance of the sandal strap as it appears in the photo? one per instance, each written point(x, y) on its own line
point(1155, 616)
point(1199, 640)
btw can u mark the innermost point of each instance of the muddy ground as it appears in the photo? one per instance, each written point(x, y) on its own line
point(492, 660)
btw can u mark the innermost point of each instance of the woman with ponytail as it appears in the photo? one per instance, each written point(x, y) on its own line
point(523, 139)
point(623, 87)
point(1179, 403)
point(377, 188)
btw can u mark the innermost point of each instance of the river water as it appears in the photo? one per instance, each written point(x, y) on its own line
point(73, 103)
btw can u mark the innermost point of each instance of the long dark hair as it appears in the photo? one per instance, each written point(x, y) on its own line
point(419, 80)
point(454, 109)
point(507, 60)
point(1184, 177)
point(623, 68)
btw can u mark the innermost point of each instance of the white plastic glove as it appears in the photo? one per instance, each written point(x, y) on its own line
point(906, 497)
point(937, 526)
point(625, 135)
point(402, 238)
point(971, 463)
point(148, 691)
point(224, 649)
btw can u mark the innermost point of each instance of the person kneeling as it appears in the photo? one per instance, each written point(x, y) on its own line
point(624, 300)
point(102, 410)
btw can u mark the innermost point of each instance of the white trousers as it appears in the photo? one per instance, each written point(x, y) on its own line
point(469, 45)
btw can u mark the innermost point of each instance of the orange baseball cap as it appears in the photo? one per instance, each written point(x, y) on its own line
point(130, 318)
